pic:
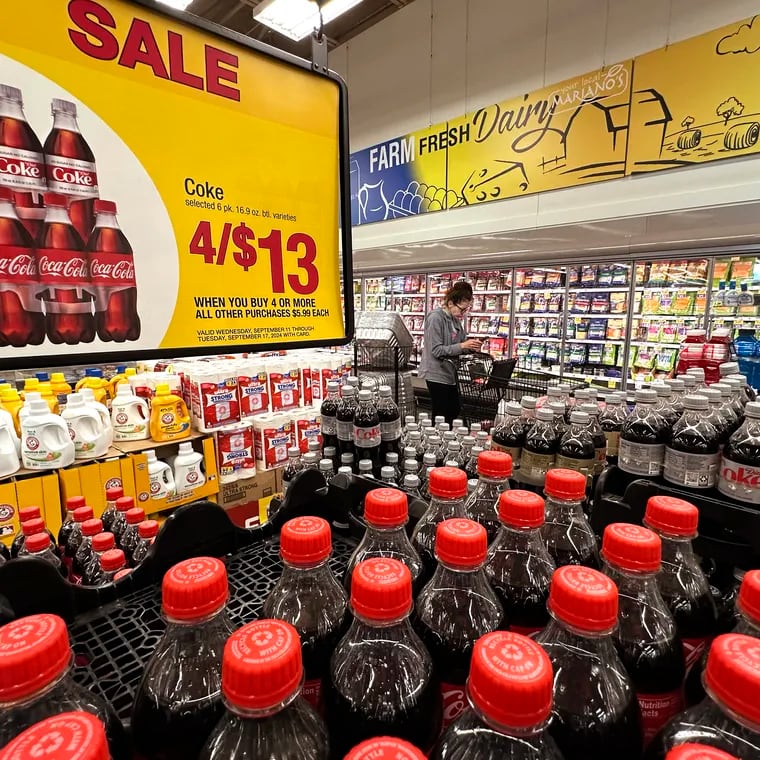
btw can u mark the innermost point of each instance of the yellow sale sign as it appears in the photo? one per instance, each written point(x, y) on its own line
point(162, 186)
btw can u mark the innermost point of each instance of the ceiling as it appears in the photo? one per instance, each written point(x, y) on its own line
point(238, 16)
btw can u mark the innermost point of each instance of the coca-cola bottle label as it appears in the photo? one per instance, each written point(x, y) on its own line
point(641, 458)
point(72, 177)
point(367, 437)
point(586, 466)
point(691, 470)
point(112, 270)
point(740, 481)
point(311, 692)
point(533, 466)
point(22, 169)
point(345, 430)
point(330, 426)
point(600, 460)
point(454, 702)
point(390, 431)
point(657, 709)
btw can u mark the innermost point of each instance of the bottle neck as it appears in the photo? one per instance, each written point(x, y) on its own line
point(65, 121)
point(40, 693)
point(731, 715)
point(215, 617)
point(366, 629)
point(249, 713)
point(385, 533)
point(457, 578)
point(748, 626)
point(57, 215)
point(486, 483)
point(527, 540)
point(677, 550)
point(632, 584)
point(106, 219)
point(527, 732)
point(295, 573)
point(567, 507)
point(446, 508)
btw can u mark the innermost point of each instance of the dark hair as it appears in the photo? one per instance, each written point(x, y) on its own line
point(458, 292)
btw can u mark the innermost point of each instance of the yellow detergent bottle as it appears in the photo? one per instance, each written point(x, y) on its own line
point(61, 389)
point(94, 379)
point(30, 384)
point(46, 391)
point(169, 418)
point(5, 387)
point(12, 403)
point(116, 380)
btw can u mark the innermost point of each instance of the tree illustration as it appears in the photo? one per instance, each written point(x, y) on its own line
point(729, 108)
point(687, 122)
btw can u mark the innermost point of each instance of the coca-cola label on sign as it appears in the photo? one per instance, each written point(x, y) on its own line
point(73, 177)
point(657, 710)
point(367, 437)
point(112, 270)
point(454, 702)
point(17, 265)
point(311, 691)
point(740, 481)
point(390, 431)
point(22, 169)
point(63, 268)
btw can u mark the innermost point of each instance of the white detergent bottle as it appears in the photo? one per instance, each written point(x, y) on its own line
point(45, 440)
point(85, 427)
point(9, 446)
point(105, 416)
point(161, 477)
point(130, 415)
point(29, 396)
point(188, 468)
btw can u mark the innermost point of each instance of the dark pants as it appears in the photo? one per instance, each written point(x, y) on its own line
point(445, 400)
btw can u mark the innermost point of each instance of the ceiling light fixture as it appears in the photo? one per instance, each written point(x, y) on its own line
point(297, 19)
point(179, 5)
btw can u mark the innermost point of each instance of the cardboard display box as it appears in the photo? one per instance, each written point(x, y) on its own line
point(28, 491)
point(246, 501)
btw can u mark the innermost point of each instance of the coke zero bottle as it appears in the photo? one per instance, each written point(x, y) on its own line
point(494, 468)
point(390, 422)
point(178, 702)
point(448, 490)
point(71, 166)
point(519, 567)
point(112, 272)
point(309, 598)
point(567, 533)
point(266, 716)
point(646, 637)
point(22, 322)
point(682, 582)
point(328, 415)
point(382, 679)
point(36, 681)
point(456, 608)
point(386, 514)
point(510, 700)
point(729, 717)
point(740, 465)
point(643, 437)
point(64, 277)
point(595, 710)
point(77, 734)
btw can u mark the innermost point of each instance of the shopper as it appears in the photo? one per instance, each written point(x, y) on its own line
point(445, 341)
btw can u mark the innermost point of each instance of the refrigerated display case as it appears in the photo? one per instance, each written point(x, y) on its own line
point(735, 298)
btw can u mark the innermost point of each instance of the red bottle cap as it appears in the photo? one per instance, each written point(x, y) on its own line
point(448, 483)
point(112, 560)
point(66, 736)
point(386, 508)
point(511, 679)
point(82, 513)
point(632, 548)
point(148, 529)
point(565, 484)
point(583, 598)
point(135, 515)
point(125, 503)
point(521, 509)
point(381, 589)
point(494, 464)
point(732, 674)
point(698, 752)
point(92, 527)
point(673, 516)
point(54, 199)
point(29, 513)
point(104, 207)
point(195, 588)
point(30, 527)
point(103, 542)
point(37, 542)
point(461, 542)
point(114, 492)
point(34, 651)
point(262, 664)
point(305, 540)
point(749, 595)
point(385, 748)
point(74, 502)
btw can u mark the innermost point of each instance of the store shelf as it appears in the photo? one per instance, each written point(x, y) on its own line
point(655, 343)
point(602, 289)
point(587, 315)
point(538, 314)
point(735, 317)
point(666, 316)
point(672, 287)
point(542, 290)
point(595, 340)
point(538, 337)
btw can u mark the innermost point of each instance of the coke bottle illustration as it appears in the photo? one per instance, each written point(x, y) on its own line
point(70, 166)
point(30, 210)
point(112, 271)
point(22, 165)
point(64, 277)
point(22, 322)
